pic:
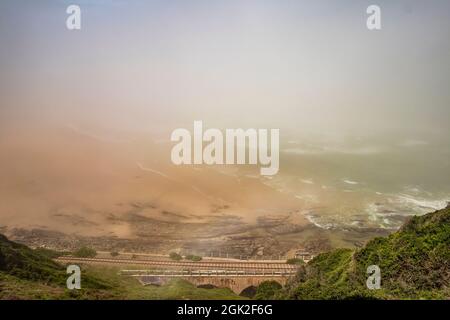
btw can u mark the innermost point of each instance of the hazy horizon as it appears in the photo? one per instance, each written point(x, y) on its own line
point(293, 65)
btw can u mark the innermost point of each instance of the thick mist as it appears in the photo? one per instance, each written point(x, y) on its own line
point(282, 64)
point(86, 116)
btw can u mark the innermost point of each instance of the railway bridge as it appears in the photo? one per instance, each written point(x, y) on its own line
point(236, 280)
point(226, 273)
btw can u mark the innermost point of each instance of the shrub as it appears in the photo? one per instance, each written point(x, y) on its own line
point(85, 252)
point(175, 256)
point(193, 257)
point(295, 261)
point(267, 290)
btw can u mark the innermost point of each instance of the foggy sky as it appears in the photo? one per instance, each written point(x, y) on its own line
point(303, 65)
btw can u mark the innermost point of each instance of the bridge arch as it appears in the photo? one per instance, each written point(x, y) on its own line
point(249, 292)
point(236, 284)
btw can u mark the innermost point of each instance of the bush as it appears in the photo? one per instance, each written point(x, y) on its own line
point(267, 290)
point(295, 261)
point(175, 256)
point(85, 252)
point(193, 258)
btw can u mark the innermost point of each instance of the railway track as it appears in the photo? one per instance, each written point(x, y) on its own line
point(203, 265)
point(206, 273)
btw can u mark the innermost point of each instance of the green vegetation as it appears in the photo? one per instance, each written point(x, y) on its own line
point(193, 257)
point(176, 289)
point(267, 290)
point(20, 261)
point(112, 286)
point(85, 252)
point(175, 256)
point(51, 254)
point(30, 274)
point(414, 263)
point(295, 261)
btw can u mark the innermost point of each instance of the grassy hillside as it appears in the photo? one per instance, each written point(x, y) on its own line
point(414, 263)
point(31, 274)
point(20, 261)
